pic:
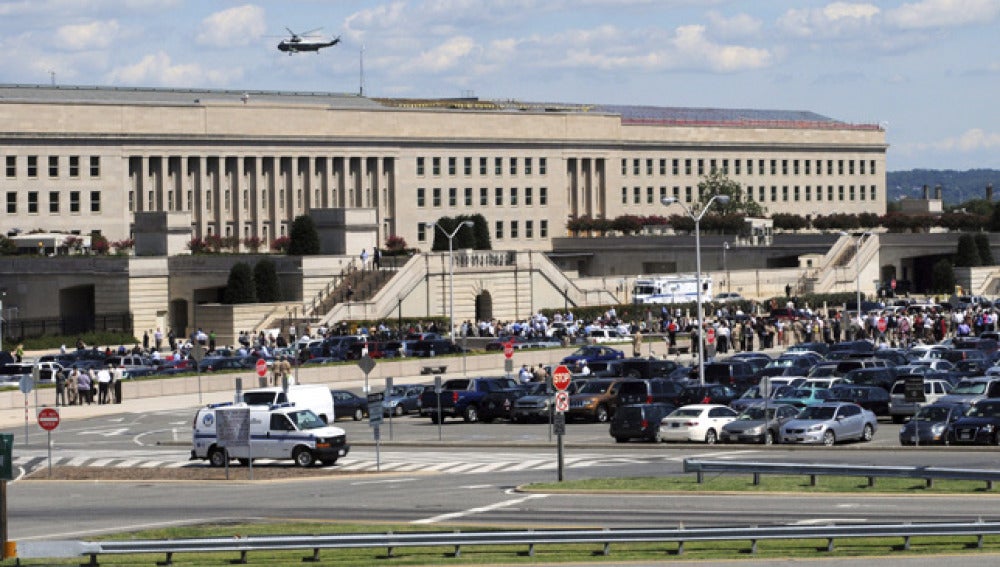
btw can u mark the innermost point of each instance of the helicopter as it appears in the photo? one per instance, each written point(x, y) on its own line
point(296, 43)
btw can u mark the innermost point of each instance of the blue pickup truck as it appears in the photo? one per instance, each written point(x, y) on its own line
point(472, 399)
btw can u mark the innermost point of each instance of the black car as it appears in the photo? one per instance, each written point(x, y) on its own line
point(655, 390)
point(872, 398)
point(646, 367)
point(881, 377)
point(639, 421)
point(739, 374)
point(349, 404)
point(979, 426)
point(930, 424)
point(433, 347)
point(708, 394)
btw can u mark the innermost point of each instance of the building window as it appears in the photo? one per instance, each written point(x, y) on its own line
point(513, 196)
point(663, 193)
point(663, 167)
point(819, 192)
point(527, 197)
point(774, 193)
point(649, 195)
point(871, 169)
point(95, 166)
point(749, 193)
point(529, 229)
point(527, 166)
point(808, 192)
point(711, 166)
point(701, 167)
point(687, 194)
point(74, 201)
point(852, 192)
point(795, 192)
point(806, 163)
point(736, 167)
point(421, 232)
point(676, 167)
point(687, 167)
point(498, 230)
point(760, 167)
point(482, 166)
point(624, 167)
point(861, 192)
point(543, 166)
point(11, 166)
point(513, 229)
point(637, 195)
point(208, 200)
point(829, 167)
point(468, 196)
point(11, 202)
point(452, 164)
point(840, 167)
point(749, 167)
point(850, 167)
point(861, 166)
point(784, 167)
point(436, 197)
point(33, 202)
point(467, 166)
point(498, 166)
point(635, 166)
point(874, 192)
point(543, 229)
point(677, 192)
point(840, 192)
point(452, 197)
point(761, 192)
point(484, 196)
point(624, 195)
point(784, 193)
point(829, 193)
point(53, 166)
point(32, 166)
point(774, 167)
point(498, 197)
point(649, 166)
point(513, 166)
point(420, 197)
point(436, 166)
point(795, 167)
point(53, 201)
point(543, 196)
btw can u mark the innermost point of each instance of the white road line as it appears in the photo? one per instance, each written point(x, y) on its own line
point(481, 509)
point(529, 464)
point(128, 463)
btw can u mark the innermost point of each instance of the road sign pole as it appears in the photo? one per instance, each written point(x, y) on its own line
point(49, 435)
point(25, 420)
point(559, 451)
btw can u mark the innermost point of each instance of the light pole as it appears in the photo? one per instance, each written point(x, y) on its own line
point(725, 248)
point(857, 273)
point(3, 294)
point(451, 270)
point(722, 199)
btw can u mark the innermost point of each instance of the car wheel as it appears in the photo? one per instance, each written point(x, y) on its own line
point(601, 415)
point(303, 457)
point(621, 439)
point(829, 439)
point(711, 437)
point(898, 419)
point(867, 434)
point(769, 437)
point(471, 414)
point(359, 414)
point(434, 418)
point(328, 462)
point(244, 462)
point(218, 457)
point(398, 411)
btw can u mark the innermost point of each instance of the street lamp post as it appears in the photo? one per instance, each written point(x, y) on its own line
point(857, 273)
point(451, 270)
point(722, 199)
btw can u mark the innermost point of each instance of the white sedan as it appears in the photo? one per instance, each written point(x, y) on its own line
point(696, 422)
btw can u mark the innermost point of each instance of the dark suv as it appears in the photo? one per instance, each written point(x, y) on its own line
point(739, 375)
point(639, 421)
point(433, 347)
point(646, 367)
point(654, 390)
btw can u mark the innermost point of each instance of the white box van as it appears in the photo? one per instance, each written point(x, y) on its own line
point(283, 431)
point(310, 396)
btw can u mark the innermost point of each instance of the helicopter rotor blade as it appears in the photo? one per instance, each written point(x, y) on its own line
point(310, 31)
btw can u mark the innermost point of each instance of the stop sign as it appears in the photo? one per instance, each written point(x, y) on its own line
point(48, 419)
point(261, 367)
point(561, 378)
point(710, 336)
point(882, 324)
point(508, 349)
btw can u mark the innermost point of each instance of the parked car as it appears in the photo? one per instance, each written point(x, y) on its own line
point(697, 422)
point(802, 397)
point(638, 421)
point(707, 394)
point(591, 354)
point(606, 336)
point(979, 426)
point(872, 398)
point(975, 389)
point(750, 426)
point(653, 390)
point(537, 401)
point(881, 377)
point(647, 367)
point(930, 425)
point(402, 399)
point(349, 404)
point(728, 297)
point(595, 400)
point(934, 390)
point(217, 363)
point(739, 374)
point(830, 423)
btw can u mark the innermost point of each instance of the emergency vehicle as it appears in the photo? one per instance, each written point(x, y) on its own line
point(671, 289)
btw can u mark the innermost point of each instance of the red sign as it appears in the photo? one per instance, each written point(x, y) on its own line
point(892, 283)
point(261, 367)
point(882, 324)
point(508, 349)
point(48, 419)
point(710, 336)
point(561, 378)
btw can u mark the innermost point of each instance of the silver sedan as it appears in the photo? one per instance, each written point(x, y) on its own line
point(829, 423)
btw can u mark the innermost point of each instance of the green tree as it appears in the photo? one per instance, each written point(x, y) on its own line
point(985, 251)
point(943, 277)
point(967, 255)
point(304, 239)
point(265, 279)
point(717, 183)
point(240, 287)
point(7, 246)
point(476, 237)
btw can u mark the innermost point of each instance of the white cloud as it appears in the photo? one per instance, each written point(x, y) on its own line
point(445, 56)
point(158, 70)
point(943, 13)
point(831, 20)
point(740, 25)
point(93, 35)
point(693, 47)
point(971, 140)
point(237, 26)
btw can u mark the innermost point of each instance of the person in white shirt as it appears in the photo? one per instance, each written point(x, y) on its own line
point(103, 383)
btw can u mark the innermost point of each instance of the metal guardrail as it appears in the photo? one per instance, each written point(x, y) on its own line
point(929, 474)
point(530, 538)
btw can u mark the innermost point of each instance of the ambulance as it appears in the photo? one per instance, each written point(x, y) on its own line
point(279, 431)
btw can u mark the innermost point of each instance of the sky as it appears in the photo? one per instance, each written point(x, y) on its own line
point(928, 71)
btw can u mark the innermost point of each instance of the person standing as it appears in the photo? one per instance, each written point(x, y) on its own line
point(637, 344)
point(83, 386)
point(145, 341)
point(364, 258)
point(286, 369)
point(73, 394)
point(60, 387)
point(158, 338)
point(103, 382)
point(377, 259)
point(117, 374)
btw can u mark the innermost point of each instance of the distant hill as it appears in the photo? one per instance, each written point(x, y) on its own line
point(957, 186)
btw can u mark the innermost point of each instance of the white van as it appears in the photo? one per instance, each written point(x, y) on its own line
point(282, 431)
point(310, 396)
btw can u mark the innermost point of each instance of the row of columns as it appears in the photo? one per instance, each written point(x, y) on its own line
point(258, 195)
point(586, 193)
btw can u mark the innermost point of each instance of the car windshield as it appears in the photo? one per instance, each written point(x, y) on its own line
point(801, 393)
point(259, 398)
point(686, 412)
point(970, 388)
point(306, 419)
point(823, 371)
point(984, 410)
point(595, 387)
point(932, 414)
point(755, 413)
point(538, 389)
point(781, 363)
point(820, 413)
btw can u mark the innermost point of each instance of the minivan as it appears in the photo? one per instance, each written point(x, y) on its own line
point(900, 409)
point(654, 390)
point(639, 421)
